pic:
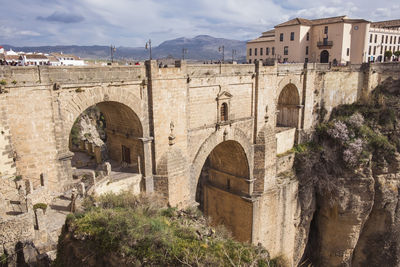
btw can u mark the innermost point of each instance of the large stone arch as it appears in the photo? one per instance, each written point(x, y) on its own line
point(73, 103)
point(234, 134)
point(225, 187)
point(72, 106)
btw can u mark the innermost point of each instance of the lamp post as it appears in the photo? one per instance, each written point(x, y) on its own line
point(112, 49)
point(184, 51)
point(222, 49)
point(148, 47)
point(233, 54)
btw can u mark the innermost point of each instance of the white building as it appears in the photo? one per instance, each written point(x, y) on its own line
point(34, 59)
point(68, 60)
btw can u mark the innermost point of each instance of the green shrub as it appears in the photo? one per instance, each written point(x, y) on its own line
point(42, 206)
point(165, 237)
point(3, 82)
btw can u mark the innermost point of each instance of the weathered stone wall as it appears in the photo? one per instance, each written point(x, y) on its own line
point(177, 122)
point(7, 165)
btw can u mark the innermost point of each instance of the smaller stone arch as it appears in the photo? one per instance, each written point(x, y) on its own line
point(288, 107)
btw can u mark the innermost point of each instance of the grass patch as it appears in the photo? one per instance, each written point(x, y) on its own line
point(144, 232)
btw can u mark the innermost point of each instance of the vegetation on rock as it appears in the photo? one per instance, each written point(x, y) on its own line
point(128, 230)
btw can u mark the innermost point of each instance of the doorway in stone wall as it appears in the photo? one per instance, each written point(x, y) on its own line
point(324, 56)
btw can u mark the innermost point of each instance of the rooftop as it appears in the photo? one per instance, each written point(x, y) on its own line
point(386, 24)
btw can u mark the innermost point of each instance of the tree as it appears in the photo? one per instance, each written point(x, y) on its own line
point(388, 54)
point(397, 54)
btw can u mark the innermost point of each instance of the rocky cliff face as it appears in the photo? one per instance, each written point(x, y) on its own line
point(349, 185)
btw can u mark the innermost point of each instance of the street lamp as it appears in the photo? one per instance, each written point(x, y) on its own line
point(233, 54)
point(113, 49)
point(148, 47)
point(184, 51)
point(222, 49)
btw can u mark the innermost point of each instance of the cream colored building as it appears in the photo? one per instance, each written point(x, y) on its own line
point(335, 40)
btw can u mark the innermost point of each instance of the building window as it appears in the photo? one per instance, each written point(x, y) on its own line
point(381, 49)
point(374, 50)
point(306, 60)
point(394, 40)
point(326, 30)
point(249, 61)
point(286, 50)
point(224, 112)
point(306, 50)
point(370, 38)
point(348, 52)
point(308, 36)
point(255, 51)
point(376, 38)
point(292, 36)
point(386, 39)
point(267, 51)
point(273, 51)
point(383, 36)
point(281, 37)
point(249, 51)
point(261, 51)
point(391, 39)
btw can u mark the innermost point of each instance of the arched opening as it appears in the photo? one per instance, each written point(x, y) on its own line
point(324, 56)
point(288, 107)
point(224, 112)
point(108, 131)
point(223, 182)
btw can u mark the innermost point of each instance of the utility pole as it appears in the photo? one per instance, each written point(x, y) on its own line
point(222, 48)
point(148, 47)
point(184, 51)
point(113, 49)
point(233, 54)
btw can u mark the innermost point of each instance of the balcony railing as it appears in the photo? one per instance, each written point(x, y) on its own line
point(324, 43)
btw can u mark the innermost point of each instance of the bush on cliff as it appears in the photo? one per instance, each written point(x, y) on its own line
point(128, 230)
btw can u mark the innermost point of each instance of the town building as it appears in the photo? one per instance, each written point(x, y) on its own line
point(33, 59)
point(68, 60)
point(336, 40)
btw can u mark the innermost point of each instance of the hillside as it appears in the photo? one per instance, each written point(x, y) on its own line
point(349, 183)
point(202, 47)
point(126, 230)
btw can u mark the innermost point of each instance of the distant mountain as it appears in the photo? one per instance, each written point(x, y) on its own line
point(202, 47)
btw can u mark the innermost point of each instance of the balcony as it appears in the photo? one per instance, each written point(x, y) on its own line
point(325, 44)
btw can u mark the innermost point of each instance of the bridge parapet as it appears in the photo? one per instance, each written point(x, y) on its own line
point(23, 75)
point(220, 69)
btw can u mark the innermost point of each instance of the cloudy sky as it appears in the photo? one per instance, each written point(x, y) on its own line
point(132, 22)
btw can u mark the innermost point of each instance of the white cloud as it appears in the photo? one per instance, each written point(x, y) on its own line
point(132, 22)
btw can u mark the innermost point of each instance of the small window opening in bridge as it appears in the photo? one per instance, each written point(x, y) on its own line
point(228, 184)
point(224, 112)
point(126, 154)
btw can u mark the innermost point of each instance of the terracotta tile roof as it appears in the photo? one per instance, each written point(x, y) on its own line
point(386, 24)
point(12, 57)
point(35, 56)
point(52, 58)
point(301, 21)
point(295, 21)
point(59, 55)
point(268, 33)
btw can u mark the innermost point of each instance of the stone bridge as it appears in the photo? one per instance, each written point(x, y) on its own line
point(218, 136)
